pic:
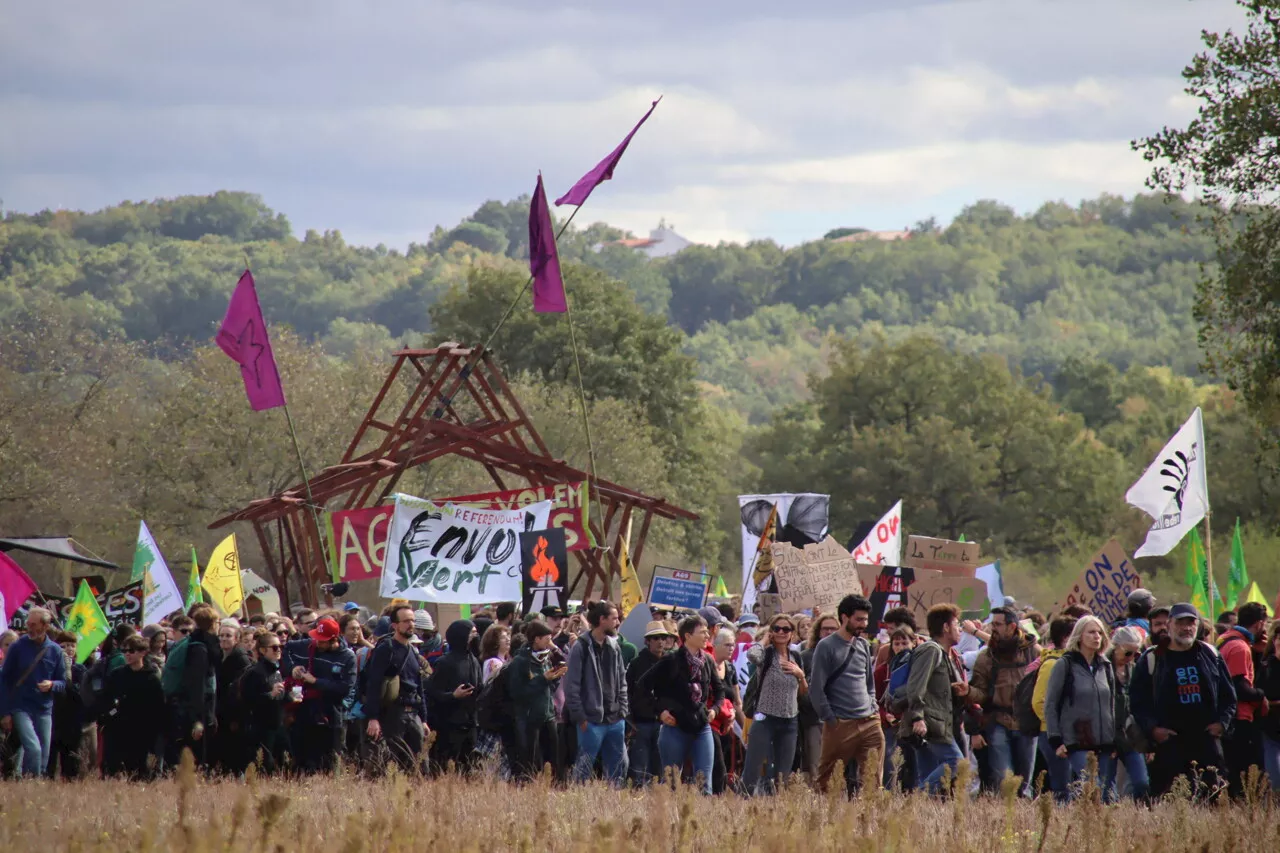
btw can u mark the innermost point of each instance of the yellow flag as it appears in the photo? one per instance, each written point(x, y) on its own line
point(222, 577)
point(631, 593)
point(1255, 594)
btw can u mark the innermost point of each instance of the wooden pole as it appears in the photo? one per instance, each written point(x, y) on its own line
point(1208, 563)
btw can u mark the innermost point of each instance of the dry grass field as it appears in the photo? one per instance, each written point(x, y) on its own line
point(346, 814)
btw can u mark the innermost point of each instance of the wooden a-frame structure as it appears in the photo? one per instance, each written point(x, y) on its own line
point(457, 404)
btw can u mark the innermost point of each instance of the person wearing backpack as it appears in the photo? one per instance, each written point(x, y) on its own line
point(531, 738)
point(394, 700)
point(772, 701)
point(596, 698)
point(132, 710)
point(891, 676)
point(1182, 697)
point(1243, 742)
point(322, 667)
point(996, 673)
point(1029, 704)
point(643, 752)
point(934, 695)
point(189, 679)
point(843, 695)
point(32, 672)
point(1080, 702)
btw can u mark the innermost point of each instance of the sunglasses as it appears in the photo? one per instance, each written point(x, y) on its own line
point(282, 633)
point(781, 629)
point(273, 647)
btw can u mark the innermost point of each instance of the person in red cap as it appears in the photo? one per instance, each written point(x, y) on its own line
point(321, 684)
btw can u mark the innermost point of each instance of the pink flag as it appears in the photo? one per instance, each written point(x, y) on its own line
point(544, 261)
point(15, 588)
point(243, 336)
point(603, 171)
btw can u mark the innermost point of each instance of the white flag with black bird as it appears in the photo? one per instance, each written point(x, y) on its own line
point(1174, 490)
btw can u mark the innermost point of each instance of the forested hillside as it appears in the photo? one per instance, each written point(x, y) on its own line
point(1006, 375)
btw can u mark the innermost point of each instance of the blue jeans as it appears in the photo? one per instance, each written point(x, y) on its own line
point(772, 746)
point(644, 753)
point(609, 742)
point(1135, 764)
point(1010, 752)
point(1271, 760)
point(936, 758)
point(1078, 762)
point(35, 731)
point(675, 745)
point(1059, 770)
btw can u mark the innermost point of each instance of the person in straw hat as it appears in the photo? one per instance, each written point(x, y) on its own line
point(643, 754)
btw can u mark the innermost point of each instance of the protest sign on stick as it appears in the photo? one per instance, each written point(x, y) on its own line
point(943, 555)
point(1105, 584)
point(815, 578)
point(968, 594)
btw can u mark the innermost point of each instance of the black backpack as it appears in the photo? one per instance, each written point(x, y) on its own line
point(494, 708)
point(1024, 711)
point(751, 697)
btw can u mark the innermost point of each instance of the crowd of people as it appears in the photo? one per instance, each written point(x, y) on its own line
point(712, 697)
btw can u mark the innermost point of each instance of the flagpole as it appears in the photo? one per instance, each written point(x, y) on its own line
point(1208, 560)
point(306, 484)
point(586, 421)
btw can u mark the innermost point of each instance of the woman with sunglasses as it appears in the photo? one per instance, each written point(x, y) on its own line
point(133, 711)
point(262, 697)
point(1126, 646)
point(771, 746)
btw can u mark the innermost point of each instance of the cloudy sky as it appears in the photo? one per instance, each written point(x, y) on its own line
point(384, 118)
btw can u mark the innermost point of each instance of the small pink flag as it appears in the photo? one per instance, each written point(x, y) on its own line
point(15, 588)
point(544, 261)
point(243, 336)
point(603, 171)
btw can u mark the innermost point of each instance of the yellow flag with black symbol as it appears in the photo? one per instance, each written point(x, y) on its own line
point(222, 577)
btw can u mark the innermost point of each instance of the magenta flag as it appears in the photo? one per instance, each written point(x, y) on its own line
point(603, 171)
point(15, 588)
point(243, 336)
point(544, 261)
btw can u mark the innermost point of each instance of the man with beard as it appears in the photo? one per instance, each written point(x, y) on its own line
point(595, 695)
point(1159, 619)
point(1181, 695)
point(400, 719)
point(996, 673)
point(452, 691)
point(843, 694)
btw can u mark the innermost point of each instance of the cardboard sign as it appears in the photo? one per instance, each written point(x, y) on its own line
point(678, 588)
point(816, 577)
point(568, 508)
point(886, 587)
point(941, 555)
point(768, 605)
point(1105, 583)
point(456, 554)
point(544, 567)
point(968, 594)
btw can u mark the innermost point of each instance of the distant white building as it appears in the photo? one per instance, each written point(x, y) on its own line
point(662, 242)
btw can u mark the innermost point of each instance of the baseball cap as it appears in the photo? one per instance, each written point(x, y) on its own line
point(422, 621)
point(711, 616)
point(1141, 594)
point(324, 631)
point(748, 619)
point(1184, 611)
point(350, 606)
point(552, 612)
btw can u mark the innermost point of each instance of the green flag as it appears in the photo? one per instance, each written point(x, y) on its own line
point(464, 611)
point(194, 594)
point(1238, 578)
point(86, 620)
point(1198, 575)
point(722, 591)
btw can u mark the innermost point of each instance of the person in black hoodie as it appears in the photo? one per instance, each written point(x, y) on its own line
point(643, 755)
point(230, 746)
point(131, 710)
point(262, 698)
point(190, 687)
point(452, 691)
point(680, 685)
point(324, 669)
point(68, 716)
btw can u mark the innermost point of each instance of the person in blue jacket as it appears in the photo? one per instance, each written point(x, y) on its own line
point(33, 671)
point(323, 669)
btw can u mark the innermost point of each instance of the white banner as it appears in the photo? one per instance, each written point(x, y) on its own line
point(1174, 490)
point(456, 554)
point(883, 545)
point(810, 518)
point(162, 596)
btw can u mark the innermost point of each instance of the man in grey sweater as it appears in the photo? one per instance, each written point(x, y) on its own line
point(842, 691)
